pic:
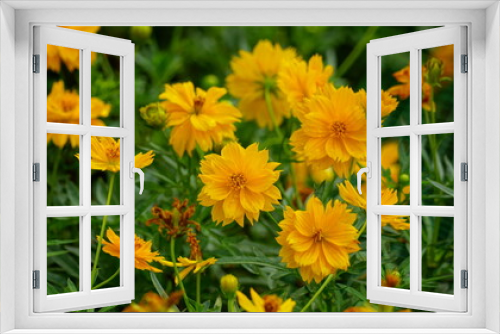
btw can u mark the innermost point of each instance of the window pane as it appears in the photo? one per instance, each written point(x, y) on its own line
point(63, 101)
point(105, 92)
point(105, 251)
point(437, 254)
point(395, 82)
point(63, 170)
point(63, 267)
point(437, 84)
point(437, 169)
point(395, 251)
point(395, 170)
point(105, 164)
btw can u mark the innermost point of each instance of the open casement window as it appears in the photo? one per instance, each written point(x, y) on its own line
point(83, 217)
point(430, 131)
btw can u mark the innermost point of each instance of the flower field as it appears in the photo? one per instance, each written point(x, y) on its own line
point(250, 139)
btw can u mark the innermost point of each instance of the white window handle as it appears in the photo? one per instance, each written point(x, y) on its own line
point(141, 176)
point(368, 171)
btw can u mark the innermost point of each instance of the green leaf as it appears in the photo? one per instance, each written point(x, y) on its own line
point(258, 261)
point(157, 285)
point(57, 253)
point(441, 187)
point(56, 242)
point(71, 287)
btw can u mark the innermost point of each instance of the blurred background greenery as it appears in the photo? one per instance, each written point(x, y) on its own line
point(202, 55)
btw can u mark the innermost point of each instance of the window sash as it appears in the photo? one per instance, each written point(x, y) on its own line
point(413, 43)
point(86, 297)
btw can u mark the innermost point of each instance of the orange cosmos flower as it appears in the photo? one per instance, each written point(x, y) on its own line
point(269, 303)
point(300, 80)
point(143, 254)
point(318, 240)
point(402, 90)
point(197, 117)
point(239, 183)
point(255, 72)
point(63, 106)
point(70, 57)
point(333, 129)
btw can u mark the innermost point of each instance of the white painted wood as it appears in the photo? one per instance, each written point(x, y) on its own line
point(414, 43)
point(193, 13)
point(101, 131)
point(86, 298)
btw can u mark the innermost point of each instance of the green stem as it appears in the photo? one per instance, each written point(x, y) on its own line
point(272, 218)
point(363, 228)
point(230, 303)
point(176, 270)
point(323, 286)
point(108, 280)
point(356, 52)
point(198, 287)
point(270, 110)
point(103, 229)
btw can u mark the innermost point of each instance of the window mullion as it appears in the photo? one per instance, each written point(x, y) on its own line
point(415, 251)
point(85, 237)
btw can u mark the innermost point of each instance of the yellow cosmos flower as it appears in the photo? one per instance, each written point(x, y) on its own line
point(105, 155)
point(333, 129)
point(389, 102)
point(70, 57)
point(238, 183)
point(152, 302)
point(143, 253)
point(253, 73)
point(63, 106)
point(300, 80)
point(318, 240)
point(269, 303)
point(197, 117)
point(388, 197)
point(189, 265)
point(347, 168)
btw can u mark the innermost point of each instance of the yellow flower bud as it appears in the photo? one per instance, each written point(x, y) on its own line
point(139, 33)
point(405, 178)
point(435, 70)
point(154, 115)
point(210, 80)
point(229, 284)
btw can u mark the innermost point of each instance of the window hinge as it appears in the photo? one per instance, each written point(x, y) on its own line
point(465, 64)
point(36, 279)
point(36, 172)
point(36, 63)
point(465, 279)
point(464, 171)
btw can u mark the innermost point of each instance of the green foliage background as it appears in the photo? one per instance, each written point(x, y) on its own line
point(202, 55)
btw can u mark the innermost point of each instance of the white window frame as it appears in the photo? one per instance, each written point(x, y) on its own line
point(483, 21)
point(414, 43)
point(86, 43)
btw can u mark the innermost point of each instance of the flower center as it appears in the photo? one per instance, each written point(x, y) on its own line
point(318, 236)
point(237, 181)
point(271, 303)
point(198, 104)
point(113, 152)
point(338, 129)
